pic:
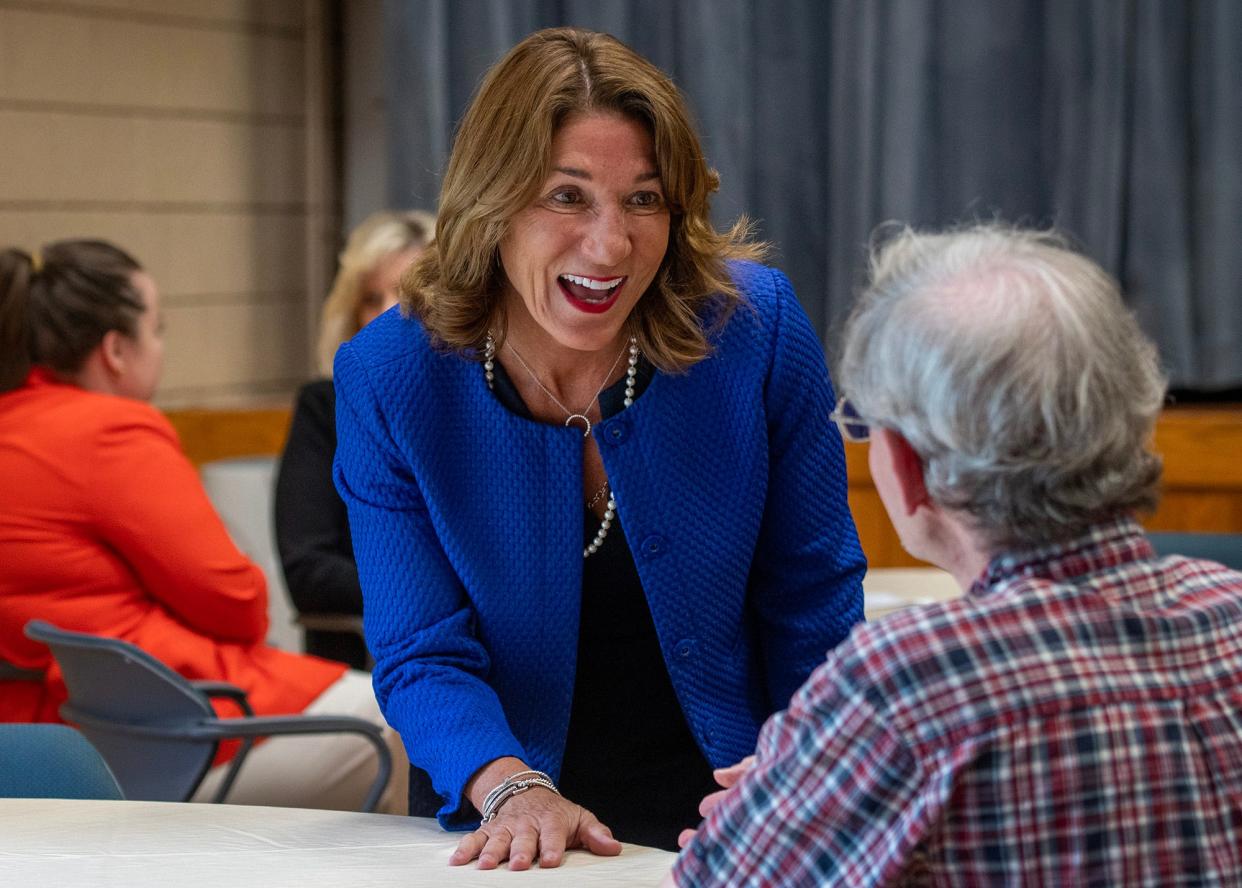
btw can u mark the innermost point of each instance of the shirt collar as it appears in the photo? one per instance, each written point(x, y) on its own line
point(1105, 546)
point(40, 376)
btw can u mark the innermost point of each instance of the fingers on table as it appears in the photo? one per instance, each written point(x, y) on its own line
point(541, 830)
point(524, 849)
point(469, 847)
point(596, 837)
point(520, 840)
point(499, 841)
point(551, 842)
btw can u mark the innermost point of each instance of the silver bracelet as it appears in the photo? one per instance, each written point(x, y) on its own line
point(514, 784)
point(489, 800)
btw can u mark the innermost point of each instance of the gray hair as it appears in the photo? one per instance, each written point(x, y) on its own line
point(1012, 367)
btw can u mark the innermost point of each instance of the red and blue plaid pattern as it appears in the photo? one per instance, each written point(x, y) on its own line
point(1075, 719)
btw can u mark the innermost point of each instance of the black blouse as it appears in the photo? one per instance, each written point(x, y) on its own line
point(629, 757)
point(312, 527)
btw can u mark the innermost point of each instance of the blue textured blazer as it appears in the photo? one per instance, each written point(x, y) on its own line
point(467, 528)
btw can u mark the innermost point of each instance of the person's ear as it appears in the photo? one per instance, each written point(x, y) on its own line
point(112, 352)
point(907, 470)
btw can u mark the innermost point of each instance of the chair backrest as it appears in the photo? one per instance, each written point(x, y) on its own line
point(241, 489)
point(135, 710)
point(52, 762)
point(1223, 548)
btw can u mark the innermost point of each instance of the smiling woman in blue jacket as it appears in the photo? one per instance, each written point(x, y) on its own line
point(597, 502)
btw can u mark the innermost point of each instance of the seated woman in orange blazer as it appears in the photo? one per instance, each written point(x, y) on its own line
point(105, 527)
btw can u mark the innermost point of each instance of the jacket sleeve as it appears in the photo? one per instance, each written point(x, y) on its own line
point(312, 528)
point(152, 508)
point(431, 669)
point(806, 578)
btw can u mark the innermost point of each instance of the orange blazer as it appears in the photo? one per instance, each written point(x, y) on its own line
point(105, 528)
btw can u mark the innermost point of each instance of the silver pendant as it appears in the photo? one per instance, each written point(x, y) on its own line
point(569, 421)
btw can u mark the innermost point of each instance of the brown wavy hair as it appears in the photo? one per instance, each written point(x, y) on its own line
point(503, 153)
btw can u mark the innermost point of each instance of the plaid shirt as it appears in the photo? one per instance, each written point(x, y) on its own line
point(1075, 719)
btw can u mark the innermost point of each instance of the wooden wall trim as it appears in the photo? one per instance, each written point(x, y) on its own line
point(1202, 450)
point(1201, 492)
point(1202, 447)
point(209, 434)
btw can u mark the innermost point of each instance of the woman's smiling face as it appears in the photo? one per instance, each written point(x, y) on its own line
point(582, 254)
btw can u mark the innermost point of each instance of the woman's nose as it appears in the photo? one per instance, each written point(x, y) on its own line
point(607, 240)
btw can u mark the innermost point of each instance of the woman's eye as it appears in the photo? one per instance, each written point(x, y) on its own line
point(647, 200)
point(566, 197)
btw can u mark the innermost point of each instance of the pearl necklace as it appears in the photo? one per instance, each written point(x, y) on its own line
point(631, 377)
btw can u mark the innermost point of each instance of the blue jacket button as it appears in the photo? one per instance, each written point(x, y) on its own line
point(684, 649)
point(653, 546)
point(618, 430)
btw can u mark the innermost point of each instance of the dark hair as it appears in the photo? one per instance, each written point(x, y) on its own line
point(56, 308)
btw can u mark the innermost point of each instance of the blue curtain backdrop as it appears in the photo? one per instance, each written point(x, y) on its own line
point(1119, 121)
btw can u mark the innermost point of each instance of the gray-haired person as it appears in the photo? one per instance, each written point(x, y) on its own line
point(1076, 717)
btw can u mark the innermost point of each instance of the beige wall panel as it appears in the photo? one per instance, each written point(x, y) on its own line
point(63, 157)
point(280, 13)
point(55, 56)
point(232, 346)
point(251, 256)
point(177, 129)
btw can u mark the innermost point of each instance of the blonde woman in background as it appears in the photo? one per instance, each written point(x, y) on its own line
point(312, 531)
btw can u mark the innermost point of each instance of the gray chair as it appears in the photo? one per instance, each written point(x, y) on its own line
point(157, 730)
point(52, 762)
point(1223, 548)
point(241, 488)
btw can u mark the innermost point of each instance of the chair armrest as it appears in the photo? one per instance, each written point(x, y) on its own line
point(9, 672)
point(293, 725)
point(248, 728)
point(285, 725)
point(227, 691)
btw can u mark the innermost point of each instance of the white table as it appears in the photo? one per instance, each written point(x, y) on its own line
point(887, 589)
point(55, 842)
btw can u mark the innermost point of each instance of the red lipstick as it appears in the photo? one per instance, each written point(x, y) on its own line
point(588, 299)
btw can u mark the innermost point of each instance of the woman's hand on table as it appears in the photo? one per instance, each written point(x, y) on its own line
point(536, 825)
point(726, 777)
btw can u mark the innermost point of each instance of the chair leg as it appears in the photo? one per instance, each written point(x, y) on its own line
point(369, 804)
point(383, 773)
point(234, 767)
